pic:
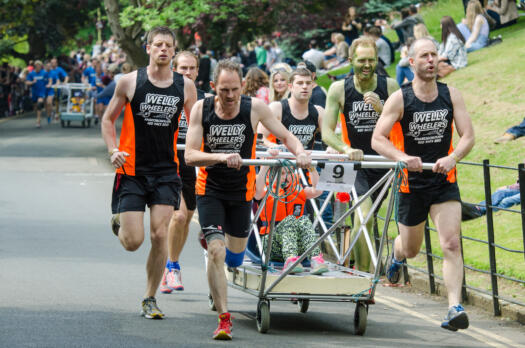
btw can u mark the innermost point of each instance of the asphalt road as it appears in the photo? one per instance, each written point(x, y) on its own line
point(65, 281)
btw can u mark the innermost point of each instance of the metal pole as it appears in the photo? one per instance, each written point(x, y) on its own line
point(264, 265)
point(490, 232)
point(464, 295)
point(430, 259)
point(521, 176)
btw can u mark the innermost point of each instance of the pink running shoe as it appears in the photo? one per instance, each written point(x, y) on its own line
point(164, 288)
point(289, 261)
point(317, 265)
point(174, 280)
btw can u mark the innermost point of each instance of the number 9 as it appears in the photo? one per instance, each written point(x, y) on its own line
point(339, 171)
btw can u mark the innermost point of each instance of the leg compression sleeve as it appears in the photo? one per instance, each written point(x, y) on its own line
point(234, 259)
point(212, 232)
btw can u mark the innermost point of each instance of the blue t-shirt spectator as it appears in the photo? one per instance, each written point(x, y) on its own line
point(91, 75)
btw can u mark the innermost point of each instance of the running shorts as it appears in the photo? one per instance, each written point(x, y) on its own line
point(230, 216)
point(366, 179)
point(133, 193)
point(50, 92)
point(415, 206)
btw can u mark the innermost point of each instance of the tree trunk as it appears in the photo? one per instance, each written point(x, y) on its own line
point(129, 38)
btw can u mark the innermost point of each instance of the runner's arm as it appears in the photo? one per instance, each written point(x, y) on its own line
point(260, 183)
point(190, 95)
point(117, 102)
point(194, 137)
point(276, 110)
point(392, 113)
point(264, 115)
point(465, 131)
point(333, 106)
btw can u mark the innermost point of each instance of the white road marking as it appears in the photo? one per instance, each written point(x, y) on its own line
point(481, 335)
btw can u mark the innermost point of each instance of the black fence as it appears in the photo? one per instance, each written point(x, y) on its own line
point(490, 242)
point(491, 245)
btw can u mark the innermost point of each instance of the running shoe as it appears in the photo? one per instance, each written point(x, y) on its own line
point(289, 261)
point(224, 330)
point(115, 224)
point(174, 280)
point(164, 288)
point(150, 309)
point(393, 268)
point(317, 265)
point(456, 319)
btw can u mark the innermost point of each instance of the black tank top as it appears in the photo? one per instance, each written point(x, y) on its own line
point(183, 122)
point(306, 129)
point(153, 129)
point(360, 118)
point(427, 133)
point(228, 136)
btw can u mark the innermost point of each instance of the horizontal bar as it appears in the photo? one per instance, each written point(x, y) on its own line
point(321, 155)
point(374, 165)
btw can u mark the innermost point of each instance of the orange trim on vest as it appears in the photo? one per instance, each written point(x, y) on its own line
point(284, 209)
point(344, 130)
point(250, 180)
point(451, 176)
point(398, 139)
point(127, 142)
point(200, 185)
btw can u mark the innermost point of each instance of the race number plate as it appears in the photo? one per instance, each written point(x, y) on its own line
point(337, 177)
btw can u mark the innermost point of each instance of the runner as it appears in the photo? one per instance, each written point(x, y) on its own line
point(58, 76)
point(50, 91)
point(185, 63)
point(146, 160)
point(38, 80)
point(221, 133)
point(297, 113)
point(426, 110)
point(359, 99)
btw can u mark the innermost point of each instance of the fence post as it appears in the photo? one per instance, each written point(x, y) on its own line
point(464, 295)
point(430, 259)
point(521, 176)
point(490, 232)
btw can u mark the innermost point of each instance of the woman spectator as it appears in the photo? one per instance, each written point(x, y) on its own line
point(452, 51)
point(279, 79)
point(340, 49)
point(504, 12)
point(351, 25)
point(256, 85)
point(475, 28)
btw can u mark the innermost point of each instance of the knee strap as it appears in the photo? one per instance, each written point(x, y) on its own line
point(234, 259)
point(212, 232)
point(40, 105)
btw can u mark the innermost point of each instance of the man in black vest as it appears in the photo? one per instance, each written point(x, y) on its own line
point(424, 113)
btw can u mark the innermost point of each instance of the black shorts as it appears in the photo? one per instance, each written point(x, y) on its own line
point(133, 193)
point(366, 179)
point(230, 216)
point(189, 178)
point(415, 206)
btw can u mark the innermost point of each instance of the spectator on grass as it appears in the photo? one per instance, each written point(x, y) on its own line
point(314, 55)
point(351, 25)
point(203, 78)
point(405, 28)
point(339, 49)
point(475, 27)
point(260, 54)
point(512, 133)
point(412, 11)
point(504, 197)
point(383, 49)
point(256, 85)
point(452, 51)
point(404, 72)
point(504, 12)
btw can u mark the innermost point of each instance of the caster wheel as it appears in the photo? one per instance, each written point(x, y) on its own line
point(211, 304)
point(303, 305)
point(360, 317)
point(68, 123)
point(89, 122)
point(263, 316)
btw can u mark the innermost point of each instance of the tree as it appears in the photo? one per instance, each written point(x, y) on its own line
point(44, 25)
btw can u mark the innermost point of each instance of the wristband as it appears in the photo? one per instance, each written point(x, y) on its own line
point(454, 156)
point(112, 152)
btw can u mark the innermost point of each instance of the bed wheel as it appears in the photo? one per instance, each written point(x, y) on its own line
point(360, 317)
point(303, 305)
point(263, 316)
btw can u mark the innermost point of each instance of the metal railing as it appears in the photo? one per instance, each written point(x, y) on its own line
point(490, 242)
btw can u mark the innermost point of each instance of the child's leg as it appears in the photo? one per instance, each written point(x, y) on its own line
point(306, 236)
